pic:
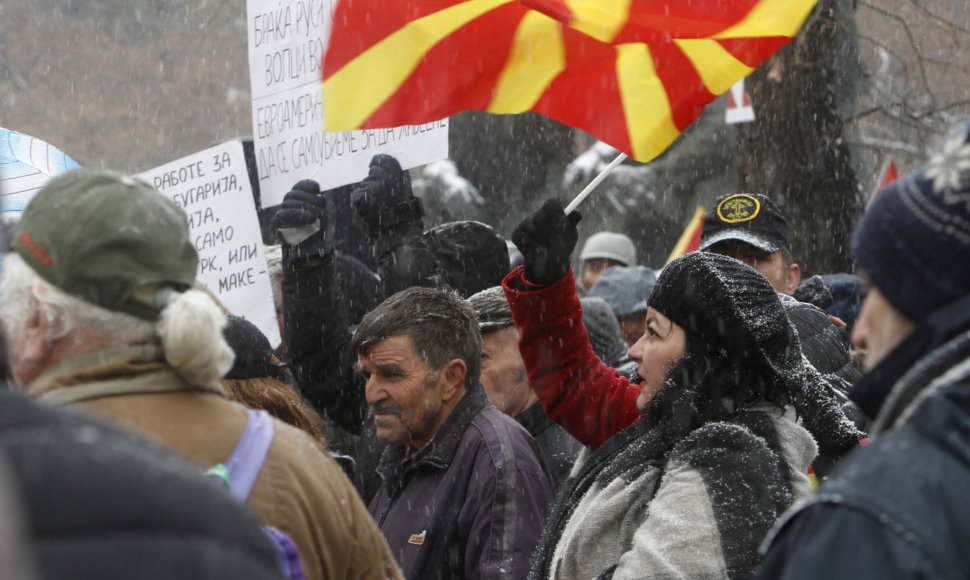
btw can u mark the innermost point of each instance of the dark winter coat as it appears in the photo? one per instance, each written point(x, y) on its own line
point(102, 503)
point(559, 449)
point(898, 507)
point(322, 299)
point(471, 503)
point(656, 499)
point(824, 344)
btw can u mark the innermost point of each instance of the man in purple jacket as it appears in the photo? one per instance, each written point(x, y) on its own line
point(464, 493)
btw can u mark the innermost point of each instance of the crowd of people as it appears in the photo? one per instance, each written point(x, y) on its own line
point(439, 409)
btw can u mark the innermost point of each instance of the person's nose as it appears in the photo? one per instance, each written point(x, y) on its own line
point(860, 332)
point(636, 351)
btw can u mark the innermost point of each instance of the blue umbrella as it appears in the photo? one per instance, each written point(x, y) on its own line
point(26, 163)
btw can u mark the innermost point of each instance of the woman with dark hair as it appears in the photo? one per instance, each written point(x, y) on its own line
point(692, 466)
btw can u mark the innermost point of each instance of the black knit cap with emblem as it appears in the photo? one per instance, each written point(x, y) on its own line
point(751, 218)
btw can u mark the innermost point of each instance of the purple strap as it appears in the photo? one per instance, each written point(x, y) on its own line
point(247, 459)
point(286, 554)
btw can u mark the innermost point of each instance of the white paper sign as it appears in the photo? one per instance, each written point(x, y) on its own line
point(213, 188)
point(739, 108)
point(287, 41)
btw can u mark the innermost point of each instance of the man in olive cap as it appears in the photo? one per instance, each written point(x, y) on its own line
point(99, 311)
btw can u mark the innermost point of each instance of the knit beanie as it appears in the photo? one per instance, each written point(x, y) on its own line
point(914, 241)
point(254, 355)
point(731, 307)
point(609, 246)
point(736, 312)
point(491, 308)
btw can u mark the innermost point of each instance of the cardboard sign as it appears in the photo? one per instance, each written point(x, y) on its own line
point(287, 41)
point(739, 108)
point(213, 188)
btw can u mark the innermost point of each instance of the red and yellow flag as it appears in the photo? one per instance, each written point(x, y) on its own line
point(633, 73)
point(690, 239)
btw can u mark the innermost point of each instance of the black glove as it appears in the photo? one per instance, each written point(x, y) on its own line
point(302, 224)
point(547, 239)
point(384, 199)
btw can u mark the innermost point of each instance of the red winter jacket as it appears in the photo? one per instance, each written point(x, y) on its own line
point(588, 398)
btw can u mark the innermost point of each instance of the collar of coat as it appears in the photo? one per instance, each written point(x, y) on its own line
point(440, 451)
point(534, 419)
point(945, 365)
point(139, 368)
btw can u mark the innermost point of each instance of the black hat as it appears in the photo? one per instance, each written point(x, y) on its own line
point(734, 310)
point(731, 307)
point(254, 355)
point(746, 217)
point(472, 255)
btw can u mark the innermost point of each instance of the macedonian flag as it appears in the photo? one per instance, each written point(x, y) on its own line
point(633, 73)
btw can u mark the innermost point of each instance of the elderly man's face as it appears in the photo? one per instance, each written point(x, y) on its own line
point(503, 372)
point(25, 331)
point(404, 393)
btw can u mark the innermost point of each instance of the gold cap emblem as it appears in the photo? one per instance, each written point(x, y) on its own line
point(738, 208)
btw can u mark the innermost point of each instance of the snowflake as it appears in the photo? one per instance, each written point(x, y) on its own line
point(948, 167)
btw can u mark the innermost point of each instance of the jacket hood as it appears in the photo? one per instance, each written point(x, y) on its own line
point(472, 256)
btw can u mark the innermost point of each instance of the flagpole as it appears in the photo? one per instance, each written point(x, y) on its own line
point(592, 184)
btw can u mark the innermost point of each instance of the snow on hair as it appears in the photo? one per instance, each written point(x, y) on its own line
point(190, 329)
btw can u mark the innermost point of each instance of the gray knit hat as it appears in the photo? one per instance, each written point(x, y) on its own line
point(492, 309)
point(610, 246)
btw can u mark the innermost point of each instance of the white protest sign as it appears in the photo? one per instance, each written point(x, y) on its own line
point(287, 41)
point(739, 108)
point(213, 188)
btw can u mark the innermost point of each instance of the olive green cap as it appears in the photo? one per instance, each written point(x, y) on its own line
point(109, 239)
